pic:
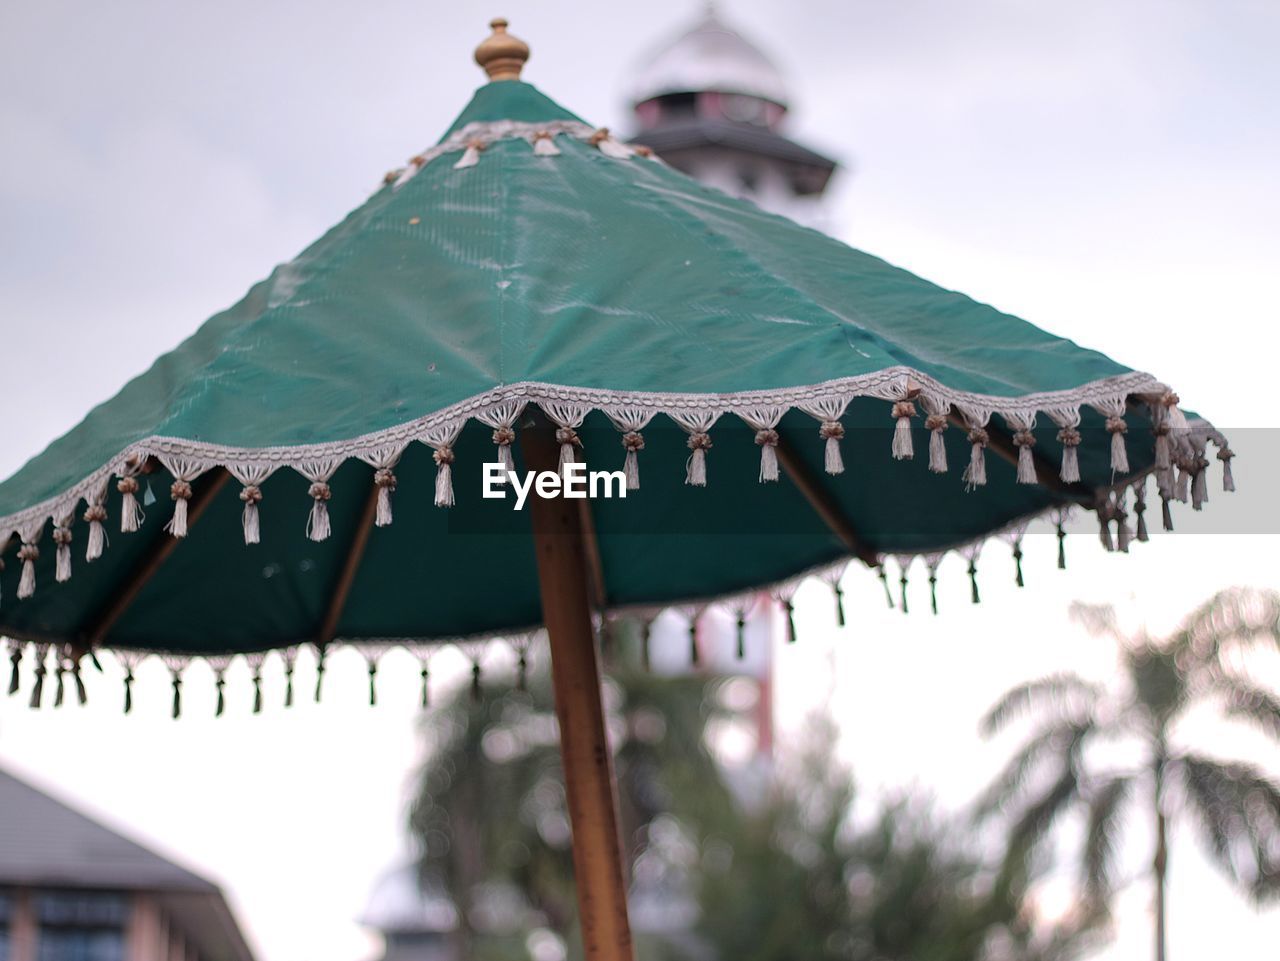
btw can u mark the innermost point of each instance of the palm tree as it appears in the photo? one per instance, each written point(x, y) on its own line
point(1234, 804)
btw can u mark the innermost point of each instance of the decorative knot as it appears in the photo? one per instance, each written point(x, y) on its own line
point(599, 136)
point(936, 422)
point(504, 436)
point(127, 485)
point(633, 440)
point(979, 436)
point(831, 429)
point(1116, 425)
point(97, 512)
point(180, 490)
point(643, 151)
point(251, 494)
point(904, 408)
point(443, 455)
point(1161, 429)
point(1024, 438)
point(699, 440)
point(767, 437)
point(567, 435)
point(475, 143)
point(1225, 453)
point(1069, 437)
point(543, 135)
point(61, 536)
point(320, 491)
point(418, 160)
point(390, 177)
point(383, 477)
point(28, 552)
point(1170, 399)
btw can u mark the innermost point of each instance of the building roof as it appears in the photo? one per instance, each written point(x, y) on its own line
point(44, 843)
point(709, 57)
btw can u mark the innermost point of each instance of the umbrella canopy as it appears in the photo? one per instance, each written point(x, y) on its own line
point(530, 260)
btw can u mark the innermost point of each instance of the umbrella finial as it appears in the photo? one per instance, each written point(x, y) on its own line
point(501, 55)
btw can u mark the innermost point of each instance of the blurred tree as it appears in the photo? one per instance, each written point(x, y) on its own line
point(768, 872)
point(1234, 805)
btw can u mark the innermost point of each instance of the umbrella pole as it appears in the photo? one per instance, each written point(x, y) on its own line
point(563, 576)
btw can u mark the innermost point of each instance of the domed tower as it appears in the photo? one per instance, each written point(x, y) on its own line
point(712, 105)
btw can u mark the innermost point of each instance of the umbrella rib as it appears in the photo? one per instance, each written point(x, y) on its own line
point(350, 564)
point(156, 555)
point(823, 504)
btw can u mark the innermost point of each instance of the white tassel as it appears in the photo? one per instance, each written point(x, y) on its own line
point(1182, 485)
point(94, 517)
point(385, 481)
point(903, 411)
point(1119, 454)
point(1163, 461)
point(443, 457)
point(1104, 532)
point(1225, 455)
point(975, 475)
point(27, 553)
point(608, 145)
point(503, 438)
point(937, 425)
point(62, 556)
point(180, 491)
point(1069, 437)
point(544, 144)
point(1024, 440)
point(131, 515)
point(318, 523)
point(251, 495)
point(833, 431)
point(767, 440)
point(633, 441)
point(567, 438)
point(471, 156)
point(695, 473)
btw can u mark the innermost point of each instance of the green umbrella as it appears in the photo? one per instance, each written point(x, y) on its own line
point(532, 292)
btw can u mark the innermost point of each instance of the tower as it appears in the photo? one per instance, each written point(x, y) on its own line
point(714, 106)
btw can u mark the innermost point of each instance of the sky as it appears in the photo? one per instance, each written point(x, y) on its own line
point(1107, 170)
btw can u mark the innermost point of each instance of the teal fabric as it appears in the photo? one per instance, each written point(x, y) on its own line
point(578, 270)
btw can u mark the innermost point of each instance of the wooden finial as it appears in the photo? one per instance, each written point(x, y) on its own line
point(501, 55)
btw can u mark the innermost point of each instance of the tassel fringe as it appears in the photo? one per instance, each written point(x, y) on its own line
point(131, 515)
point(1024, 440)
point(903, 411)
point(251, 495)
point(62, 555)
point(975, 475)
point(937, 425)
point(633, 442)
point(1119, 454)
point(385, 481)
point(1069, 438)
point(767, 440)
point(832, 431)
point(695, 473)
point(318, 523)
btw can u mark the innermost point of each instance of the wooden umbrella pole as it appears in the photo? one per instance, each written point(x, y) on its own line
point(564, 578)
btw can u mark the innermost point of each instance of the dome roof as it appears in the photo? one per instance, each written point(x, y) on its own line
point(709, 57)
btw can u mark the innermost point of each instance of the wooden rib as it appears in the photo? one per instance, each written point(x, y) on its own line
point(205, 489)
point(350, 564)
point(823, 504)
point(1001, 442)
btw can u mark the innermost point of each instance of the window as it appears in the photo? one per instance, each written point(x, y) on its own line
point(80, 926)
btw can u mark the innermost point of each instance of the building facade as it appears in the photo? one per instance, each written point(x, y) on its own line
point(74, 890)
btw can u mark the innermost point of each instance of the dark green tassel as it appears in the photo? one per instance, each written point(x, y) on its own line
point(1017, 564)
point(475, 681)
point(426, 692)
point(257, 692)
point(1140, 508)
point(1165, 513)
point(177, 695)
point(839, 605)
point(1062, 548)
point(128, 691)
point(933, 591)
point(522, 673)
point(902, 581)
point(791, 620)
point(60, 689)
point(645, 630)
point(220, 684)
point(973, 579)
point(15, 675)
point(320, 671)
point(884, 580)
point(693, 642)
point(288, 685)
point(82, 695)
point(742, 635)
point(37, 692)
point(373, 686)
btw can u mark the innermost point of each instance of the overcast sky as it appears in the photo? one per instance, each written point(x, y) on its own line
point(1107, 170)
